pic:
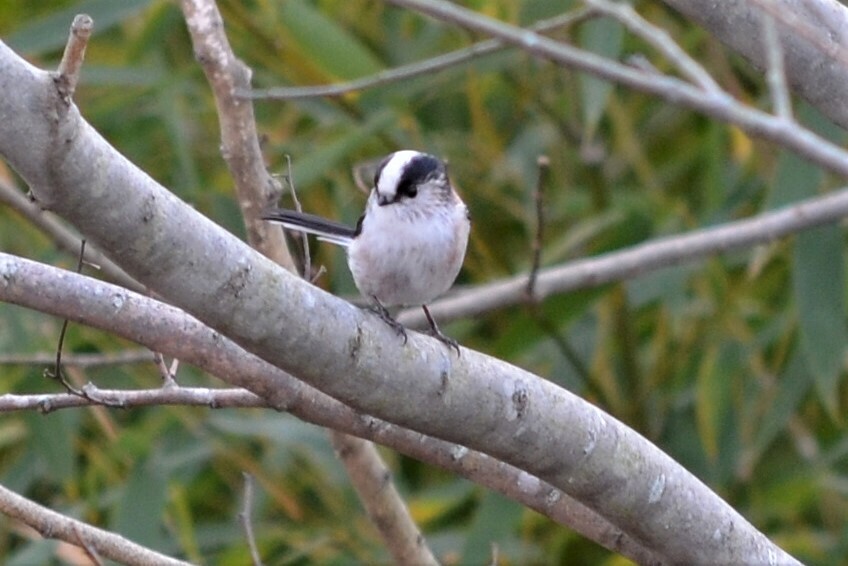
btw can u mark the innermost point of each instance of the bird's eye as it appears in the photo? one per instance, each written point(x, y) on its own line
point(407, 188)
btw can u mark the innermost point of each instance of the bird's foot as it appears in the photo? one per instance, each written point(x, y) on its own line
point(438, 334)
point(386, 317)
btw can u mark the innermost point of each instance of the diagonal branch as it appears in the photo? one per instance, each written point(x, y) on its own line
point(811, 31)
point(174, 333)
point(718, 105)
point(57, 526)
point(519, 418)
point(412, 70)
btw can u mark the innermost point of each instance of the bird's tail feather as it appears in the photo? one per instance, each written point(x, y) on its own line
point(326, 230)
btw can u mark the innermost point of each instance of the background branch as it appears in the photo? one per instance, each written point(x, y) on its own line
point(641, 259)
point(54, 525)
point(718, 105)
point(226, 74)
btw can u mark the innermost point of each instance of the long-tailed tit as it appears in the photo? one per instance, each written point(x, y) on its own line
point(408, 245)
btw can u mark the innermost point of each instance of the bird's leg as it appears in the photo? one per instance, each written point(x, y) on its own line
point(384, 314)
point(437, 334)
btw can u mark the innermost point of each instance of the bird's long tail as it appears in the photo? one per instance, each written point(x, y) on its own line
point(326, 230)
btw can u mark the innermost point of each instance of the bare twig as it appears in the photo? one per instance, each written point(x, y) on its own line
point(405, 72)
point(536, 247)
point(165, 372)
point(90, 551)
point(67, 76)
point(246, 519)
point(307, 259)
point(56, 374)
point(54, 525)
point(78, 360)
point(123, 398)
point(660, 39)
point(775, 72)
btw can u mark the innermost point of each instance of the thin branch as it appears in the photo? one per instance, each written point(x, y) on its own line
point(90, 551)
point(57, 374)
point(638, 260)
point(544, 163)
point(79, 360)
point(775, 71)
point(660, 39)
point(307, 256)
point(53, 525)
point(167, 374)
point(125, 399)
point(405, 72)
point(67, 76)
point(385, 507)
point(246, 519)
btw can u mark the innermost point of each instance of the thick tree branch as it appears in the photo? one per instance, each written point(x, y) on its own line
point(174, 333)
point(812, 33)
point(62, 236)
point(349, 354)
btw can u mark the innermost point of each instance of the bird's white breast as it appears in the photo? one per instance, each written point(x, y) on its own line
point(405, 257)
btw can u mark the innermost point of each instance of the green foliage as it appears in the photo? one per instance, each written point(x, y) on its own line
point(733, 365)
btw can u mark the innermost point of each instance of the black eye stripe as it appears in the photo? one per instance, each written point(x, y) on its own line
point(417, 171)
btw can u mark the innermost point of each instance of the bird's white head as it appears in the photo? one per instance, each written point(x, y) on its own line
point(406, 173)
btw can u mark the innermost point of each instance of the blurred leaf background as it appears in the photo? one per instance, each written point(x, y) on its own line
point(733, 365)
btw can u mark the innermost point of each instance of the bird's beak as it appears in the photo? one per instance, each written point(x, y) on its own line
point(383, 200)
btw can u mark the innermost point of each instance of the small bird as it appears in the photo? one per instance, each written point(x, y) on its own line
point(408, 245)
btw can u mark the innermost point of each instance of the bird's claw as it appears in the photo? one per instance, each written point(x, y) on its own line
point(386, 317)
point(444, 339)
point(437, 334)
